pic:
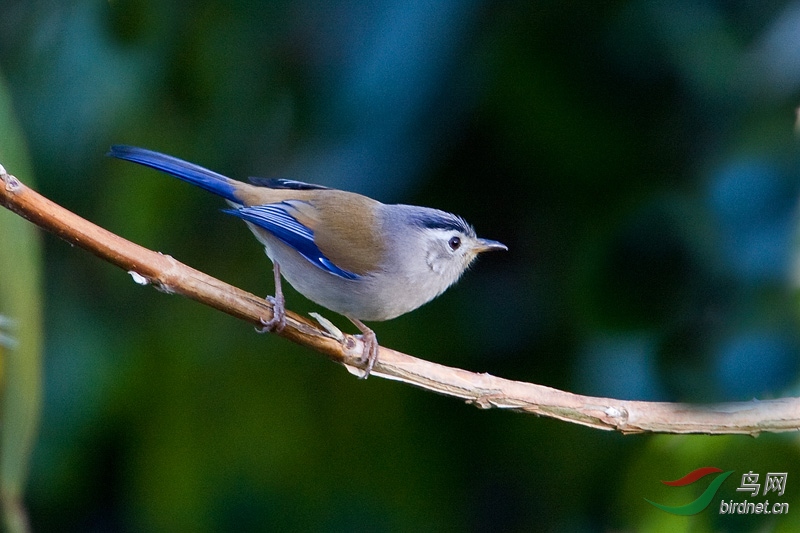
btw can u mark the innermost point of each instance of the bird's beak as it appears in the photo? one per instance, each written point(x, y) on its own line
point(485, 245)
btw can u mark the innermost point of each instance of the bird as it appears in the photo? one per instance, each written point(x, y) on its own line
point(349, 253)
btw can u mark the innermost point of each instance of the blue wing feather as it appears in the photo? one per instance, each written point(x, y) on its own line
point(188, 172)
point(275, 219)
point(280, 183)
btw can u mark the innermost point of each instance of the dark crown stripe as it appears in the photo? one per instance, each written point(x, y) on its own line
point(443, 221)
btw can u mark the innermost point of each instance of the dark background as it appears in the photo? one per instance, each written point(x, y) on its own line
point(639, 159)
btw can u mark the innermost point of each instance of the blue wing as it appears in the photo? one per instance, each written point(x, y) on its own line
point(188, 172)
point(275, 219)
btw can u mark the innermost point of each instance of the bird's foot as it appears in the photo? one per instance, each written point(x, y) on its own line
point(278, 320)
point(371, 350)
point(369, 354)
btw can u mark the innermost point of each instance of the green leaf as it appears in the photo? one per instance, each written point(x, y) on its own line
point(21, 307)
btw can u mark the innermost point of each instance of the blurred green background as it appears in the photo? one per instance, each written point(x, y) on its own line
point(639, 158)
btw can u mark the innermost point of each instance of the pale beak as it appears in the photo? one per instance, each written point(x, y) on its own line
point(485, 245)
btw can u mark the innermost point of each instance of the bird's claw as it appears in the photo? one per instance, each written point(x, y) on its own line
point(278, 320)
point(369, 354)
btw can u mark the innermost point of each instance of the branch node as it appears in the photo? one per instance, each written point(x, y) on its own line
point(350, 345)
point(485, 401)
point(163, 287)
point(12, 183)
point(138, 278)
point(618, 416)
point(328, 326)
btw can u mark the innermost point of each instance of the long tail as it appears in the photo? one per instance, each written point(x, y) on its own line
point(189, 172)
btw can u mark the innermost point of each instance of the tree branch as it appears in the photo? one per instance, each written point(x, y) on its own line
point(482, 390)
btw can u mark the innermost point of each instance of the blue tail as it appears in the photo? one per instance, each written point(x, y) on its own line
point(189, 172)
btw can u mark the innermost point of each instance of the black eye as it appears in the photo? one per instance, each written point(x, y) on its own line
point(454, 243)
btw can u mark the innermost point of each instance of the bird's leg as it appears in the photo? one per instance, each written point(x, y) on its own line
point(278, 320)
point(371, 347)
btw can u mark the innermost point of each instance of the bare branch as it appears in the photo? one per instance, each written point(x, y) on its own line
point(482, 390)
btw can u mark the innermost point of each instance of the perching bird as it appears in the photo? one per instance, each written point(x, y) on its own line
point(346, 252)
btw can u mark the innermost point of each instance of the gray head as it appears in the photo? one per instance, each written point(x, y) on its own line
point(439, 246)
